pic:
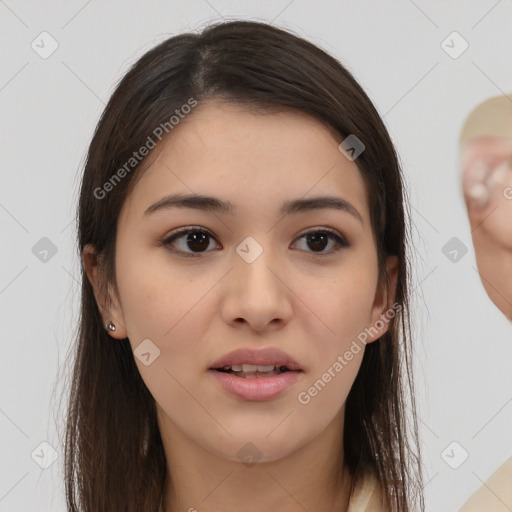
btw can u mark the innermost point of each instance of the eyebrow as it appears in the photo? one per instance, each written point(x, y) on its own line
point(213, 204)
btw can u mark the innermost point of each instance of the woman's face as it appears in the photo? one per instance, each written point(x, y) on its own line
point(248, 279)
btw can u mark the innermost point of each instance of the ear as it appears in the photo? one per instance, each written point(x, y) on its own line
point(382, 309)
point(108, 303)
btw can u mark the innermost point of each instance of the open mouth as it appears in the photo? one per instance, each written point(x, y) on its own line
point(252, 371)
point(256, 382)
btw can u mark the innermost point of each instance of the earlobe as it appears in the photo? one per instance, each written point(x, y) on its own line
point(383, 307)
point(108, 306)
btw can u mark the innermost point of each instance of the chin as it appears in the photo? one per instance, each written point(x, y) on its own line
point(254, 445)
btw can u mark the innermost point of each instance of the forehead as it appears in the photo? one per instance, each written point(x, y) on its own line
point(249, 158)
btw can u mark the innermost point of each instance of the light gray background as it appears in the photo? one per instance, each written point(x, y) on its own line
point(49, 108)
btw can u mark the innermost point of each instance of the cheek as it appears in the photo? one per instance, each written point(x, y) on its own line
point(338, 305)
point(163, 306)
point(326, 391)
point(157, 295)
point(338, 311)
point(335, 351)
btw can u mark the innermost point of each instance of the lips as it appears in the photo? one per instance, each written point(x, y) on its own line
point(257, 389)
point(261, 357)
point(256, 375)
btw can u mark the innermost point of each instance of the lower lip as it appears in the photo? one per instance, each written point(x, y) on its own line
point(256, 389)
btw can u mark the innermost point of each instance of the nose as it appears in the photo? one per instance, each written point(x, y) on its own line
point(258, 294)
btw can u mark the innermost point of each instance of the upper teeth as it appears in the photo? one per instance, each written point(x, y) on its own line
point(250, 367)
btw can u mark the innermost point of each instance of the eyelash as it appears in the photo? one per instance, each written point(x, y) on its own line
point(342, 242)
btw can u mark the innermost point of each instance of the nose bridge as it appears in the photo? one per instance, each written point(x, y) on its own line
point(257, 294)
point(253, 262)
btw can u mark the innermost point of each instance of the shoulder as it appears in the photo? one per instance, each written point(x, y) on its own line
point(495, 495)
point(367, 495)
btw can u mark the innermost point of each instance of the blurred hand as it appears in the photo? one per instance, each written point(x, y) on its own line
point(487, 187)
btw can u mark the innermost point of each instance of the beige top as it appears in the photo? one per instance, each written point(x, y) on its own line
point(367, 496)
point(495, 495)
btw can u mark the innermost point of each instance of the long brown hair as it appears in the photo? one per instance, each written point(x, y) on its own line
point(114, 457)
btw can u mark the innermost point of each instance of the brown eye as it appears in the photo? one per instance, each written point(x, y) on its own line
point(192, 241)
point(317, 240)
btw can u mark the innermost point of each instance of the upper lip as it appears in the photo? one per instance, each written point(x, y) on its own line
point(265, 356)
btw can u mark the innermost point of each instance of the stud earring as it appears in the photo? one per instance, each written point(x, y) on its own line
point(111, 326)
